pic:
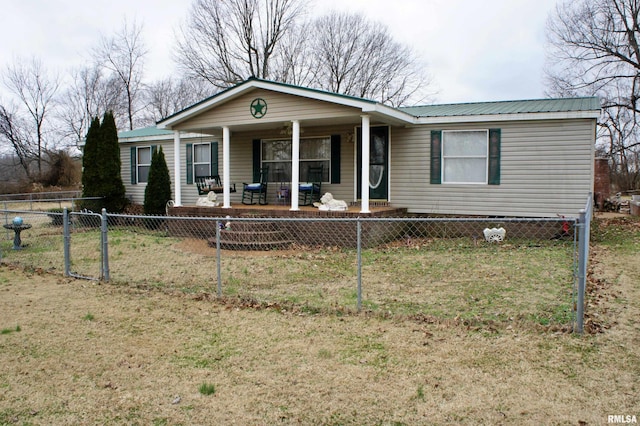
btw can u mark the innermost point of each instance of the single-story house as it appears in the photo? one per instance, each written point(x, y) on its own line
point(528, 158)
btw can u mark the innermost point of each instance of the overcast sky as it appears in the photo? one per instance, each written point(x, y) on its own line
point(475, 50)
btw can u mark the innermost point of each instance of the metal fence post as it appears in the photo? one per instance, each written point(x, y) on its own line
point(218, 224)
point(359, 250)
point(66, 232)
point(105, 246)
point(583, 255)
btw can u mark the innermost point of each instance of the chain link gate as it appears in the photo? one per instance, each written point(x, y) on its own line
point(85, 245)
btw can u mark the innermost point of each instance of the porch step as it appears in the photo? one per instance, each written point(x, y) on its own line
point(252, 236)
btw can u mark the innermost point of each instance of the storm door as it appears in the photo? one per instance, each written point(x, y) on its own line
point(378, 162)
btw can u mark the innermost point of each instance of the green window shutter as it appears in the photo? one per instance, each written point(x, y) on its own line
point(494, 156)
point(189, 163)
point(214, 158)
point(436, 157)
point(134, 165)
point(335, 158)
point(256, 160)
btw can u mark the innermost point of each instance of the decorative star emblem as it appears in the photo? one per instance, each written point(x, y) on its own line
point(258, 108)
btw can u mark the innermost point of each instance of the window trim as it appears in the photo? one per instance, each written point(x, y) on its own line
point(214, 162)
point(139, 164)
point(444, 158)
point(200, 163)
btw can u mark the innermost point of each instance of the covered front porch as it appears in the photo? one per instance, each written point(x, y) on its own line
point(251, 120)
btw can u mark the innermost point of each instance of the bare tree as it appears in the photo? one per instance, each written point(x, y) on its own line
point(168, 96)
point(123, 54)
point(619, 132)
point(358, 57)
point(294, 62)
point(35, 92)
point(227, 41)
point(595, 50)
point(89, 95)
point(13, 132)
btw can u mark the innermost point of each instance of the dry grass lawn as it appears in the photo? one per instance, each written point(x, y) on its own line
point(79, 352)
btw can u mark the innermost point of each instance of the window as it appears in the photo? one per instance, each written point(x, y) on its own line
point(201, 160)
point(143, 163)
point(314, 152)
point(465, 156)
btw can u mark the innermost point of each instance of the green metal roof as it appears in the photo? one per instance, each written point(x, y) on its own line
point(505, 107)
point(144, 132)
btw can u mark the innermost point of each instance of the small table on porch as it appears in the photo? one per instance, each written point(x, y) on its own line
point(17, 229)
point(283, 194)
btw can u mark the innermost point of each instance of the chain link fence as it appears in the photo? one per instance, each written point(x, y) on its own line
point(481, 271)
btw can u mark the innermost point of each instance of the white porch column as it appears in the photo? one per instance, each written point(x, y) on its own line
point(364, 184)
point(226, 192)
point(295, 164)
point(177, 182)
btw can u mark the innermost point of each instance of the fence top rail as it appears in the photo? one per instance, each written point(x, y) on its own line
point(350, 219)
point(24, 212)
point(45, 200)
point(26, 196)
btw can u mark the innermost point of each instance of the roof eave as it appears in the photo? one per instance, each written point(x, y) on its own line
point(389, 115)
point(155, 138)
point(564, 115)
point(362, 104)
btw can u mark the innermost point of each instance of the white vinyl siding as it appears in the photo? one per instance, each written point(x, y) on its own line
point(546, 169)
point(282, 108)
point(135, 192)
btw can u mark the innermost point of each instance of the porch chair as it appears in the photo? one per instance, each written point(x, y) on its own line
point(211, 183)
point(309, 192)
point(256, 189)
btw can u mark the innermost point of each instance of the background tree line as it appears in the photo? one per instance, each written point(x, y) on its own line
point(221, 43)
point(593, 50)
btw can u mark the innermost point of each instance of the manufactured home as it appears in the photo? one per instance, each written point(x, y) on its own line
point(527, 158)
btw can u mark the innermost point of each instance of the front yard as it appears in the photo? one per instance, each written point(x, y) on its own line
point(79, 352)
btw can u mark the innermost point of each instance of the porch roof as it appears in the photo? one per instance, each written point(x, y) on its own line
point(365, 106)
point(152, 133)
